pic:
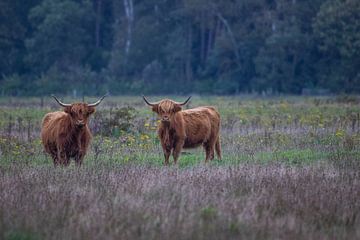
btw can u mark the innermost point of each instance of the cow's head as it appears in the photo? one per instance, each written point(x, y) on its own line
point(79, 112)
point(166, 108)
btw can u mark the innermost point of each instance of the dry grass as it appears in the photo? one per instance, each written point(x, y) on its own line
point(143, 202)
point(291, 170)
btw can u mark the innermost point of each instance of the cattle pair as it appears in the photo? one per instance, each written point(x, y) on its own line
point(65, 134)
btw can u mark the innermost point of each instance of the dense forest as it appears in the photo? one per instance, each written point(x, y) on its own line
point(179, 46)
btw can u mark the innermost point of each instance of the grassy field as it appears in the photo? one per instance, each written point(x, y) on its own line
point(290, 169)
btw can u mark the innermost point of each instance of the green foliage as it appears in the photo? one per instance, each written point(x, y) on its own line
point(116, 121)
point(19, 235)
point(12, 85)
point(337, 27)
point(338, 30)
point(61, 33)
point(208, 213)
point(14, 29)
point(75, 79)
point(218, 47)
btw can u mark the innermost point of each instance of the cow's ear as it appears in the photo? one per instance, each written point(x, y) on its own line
point(177, 108)
point(91, 110)
point(155, 108)
point(67, 109)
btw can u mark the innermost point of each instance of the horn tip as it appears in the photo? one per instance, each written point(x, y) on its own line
point(105, 95)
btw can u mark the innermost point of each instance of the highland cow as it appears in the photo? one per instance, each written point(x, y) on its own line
point(190, 128)
point(65, 134)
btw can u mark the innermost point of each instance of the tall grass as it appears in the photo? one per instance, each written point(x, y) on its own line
point(246, 201)
point(290, 170)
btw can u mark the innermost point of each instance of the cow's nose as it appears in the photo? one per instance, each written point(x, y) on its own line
point(80, 123)
point(165, 118)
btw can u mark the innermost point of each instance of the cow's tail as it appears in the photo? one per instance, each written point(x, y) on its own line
point(218, 147)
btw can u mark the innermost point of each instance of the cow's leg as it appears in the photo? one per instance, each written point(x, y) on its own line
point(66, 161)
point(212, 145)
point(54, 155)
point(82, 143)
point(61, 156)
point(78, 162)
point(167, 152)
point(212, 151)
point(167, 156)
point(218, 147)
point(79, 159)
point(177, 150)
point(209, 151)
point(55, 160)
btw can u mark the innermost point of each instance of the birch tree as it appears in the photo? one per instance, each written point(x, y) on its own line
point(129, 14)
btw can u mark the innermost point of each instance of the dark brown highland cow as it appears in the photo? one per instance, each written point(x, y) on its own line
point(65, 134)
point(187, 128)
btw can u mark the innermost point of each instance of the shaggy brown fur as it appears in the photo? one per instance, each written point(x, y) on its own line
point(187, 129)
point(66, 134)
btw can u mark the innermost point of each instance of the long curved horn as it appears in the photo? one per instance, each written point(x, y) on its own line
point(98, 102)
point(182, 104)
point(61, 103)
point(149, 103)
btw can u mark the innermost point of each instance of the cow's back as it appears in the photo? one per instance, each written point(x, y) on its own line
point(214, 118)
point(50, 120)
point(206, 113)
point(50, 126)
point(201, 124)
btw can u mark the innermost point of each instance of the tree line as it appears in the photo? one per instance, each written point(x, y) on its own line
point(179, 46)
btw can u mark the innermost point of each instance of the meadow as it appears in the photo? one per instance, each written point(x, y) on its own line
point(290, 169)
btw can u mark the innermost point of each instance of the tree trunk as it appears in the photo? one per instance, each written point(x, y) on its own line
point(231, 36)
point(294, 63)
point(129, 14)
point(203, 39)
point(188, 69)
point(98, 23)
point(211, 36)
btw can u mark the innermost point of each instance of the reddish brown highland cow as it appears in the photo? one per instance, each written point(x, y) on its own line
point(187, 128)
point(65, 134)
